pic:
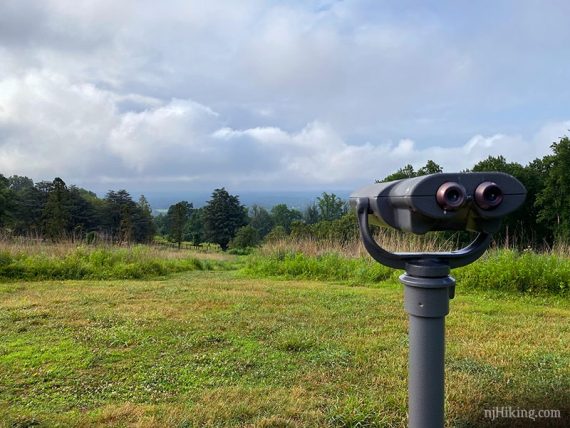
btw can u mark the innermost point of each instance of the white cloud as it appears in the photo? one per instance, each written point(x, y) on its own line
point(51, 127)
point(278, 94)
point(142, 139)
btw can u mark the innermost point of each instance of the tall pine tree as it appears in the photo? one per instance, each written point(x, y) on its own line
point(176, 219)
point(223, 215)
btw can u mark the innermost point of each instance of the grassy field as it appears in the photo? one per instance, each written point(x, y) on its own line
point(213, 348)
point(36, 262)
point(499, 270)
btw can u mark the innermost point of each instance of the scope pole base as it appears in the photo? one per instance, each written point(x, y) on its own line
point(427, 291)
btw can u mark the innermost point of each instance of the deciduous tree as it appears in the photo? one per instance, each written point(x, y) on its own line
point(260, 220)
point(283, 216)
point(246, 237)
point(331, 207)
point(554, 199)
point(6, 196)
point(56, 212)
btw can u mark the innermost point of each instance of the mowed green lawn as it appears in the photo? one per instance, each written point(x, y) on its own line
point(214, 349)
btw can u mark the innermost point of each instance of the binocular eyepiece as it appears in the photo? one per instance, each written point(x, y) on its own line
point(451, 196)
point(475, 201)
point(488, 195)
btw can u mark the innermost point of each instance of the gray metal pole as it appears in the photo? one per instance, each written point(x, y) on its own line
point(426, 298)
point(426, 372)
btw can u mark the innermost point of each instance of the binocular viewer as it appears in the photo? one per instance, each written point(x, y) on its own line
point(475, 201)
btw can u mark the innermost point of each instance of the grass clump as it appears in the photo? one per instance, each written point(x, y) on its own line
point(510, 270)
point(138, 262)
point(500, 270)
point(324, 267)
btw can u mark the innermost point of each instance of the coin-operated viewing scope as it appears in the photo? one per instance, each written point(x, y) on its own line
point(474, 202)
point(469, 201)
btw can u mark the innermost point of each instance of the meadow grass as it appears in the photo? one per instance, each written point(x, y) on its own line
point(522, 272)
point(71, 261)
point(500, 269)
point(205, 348)
point(324, 267)
point(212, 349)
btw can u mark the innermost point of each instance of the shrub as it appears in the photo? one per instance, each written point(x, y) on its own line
point(246, 237)
point(277, 233)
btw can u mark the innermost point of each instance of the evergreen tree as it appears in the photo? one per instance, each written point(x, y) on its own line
point(144, 228)
point(176, 219)
point(118, 212)
point(27, 210)
point(56, 213)
point(83, 214)
point(223, 215)
point(126, 225)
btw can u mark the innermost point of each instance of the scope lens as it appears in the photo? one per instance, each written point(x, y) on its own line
point(488, 195)
point(450, 196)
point(453, 195)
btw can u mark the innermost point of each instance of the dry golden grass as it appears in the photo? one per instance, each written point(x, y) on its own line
point(39, 247)
point(388, 239)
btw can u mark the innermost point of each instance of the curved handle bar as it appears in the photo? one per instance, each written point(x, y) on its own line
point(453, 259)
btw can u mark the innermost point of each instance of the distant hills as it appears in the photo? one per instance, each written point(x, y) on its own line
point(161, 200)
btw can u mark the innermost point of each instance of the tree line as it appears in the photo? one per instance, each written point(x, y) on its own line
point(52, 210)
point(224, 221)
point(55, 211)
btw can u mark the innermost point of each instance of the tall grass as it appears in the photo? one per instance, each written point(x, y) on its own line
point(68, 261)
point(391, 240)
point(500, 269)
point(325, 267)
point(510, 270)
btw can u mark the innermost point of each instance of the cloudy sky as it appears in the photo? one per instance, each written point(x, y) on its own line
point(287, 95)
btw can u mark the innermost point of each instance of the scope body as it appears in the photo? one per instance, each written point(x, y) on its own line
point(474, 201)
